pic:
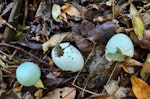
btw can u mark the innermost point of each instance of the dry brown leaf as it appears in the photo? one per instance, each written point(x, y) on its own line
point(70, 10)
point(61, 93)
point(145, 72)
point(140, 88)
point(63, 16)
point(132, 62)
point(54, 40)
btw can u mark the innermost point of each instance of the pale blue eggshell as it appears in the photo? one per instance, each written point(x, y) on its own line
point(119, 41)
point(71, 60)
point(28, 73)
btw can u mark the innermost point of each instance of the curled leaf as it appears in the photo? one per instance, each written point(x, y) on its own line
point(137, 22)
point(54, 40)
point(56, 11)
point(2, 64)
point(70, 10)
point(140, 88)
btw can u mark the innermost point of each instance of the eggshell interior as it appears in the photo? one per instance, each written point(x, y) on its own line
point(119, 47)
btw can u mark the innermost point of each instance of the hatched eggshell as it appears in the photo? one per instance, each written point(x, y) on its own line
point(67, 57)
point(28, 73)
point(119, 42)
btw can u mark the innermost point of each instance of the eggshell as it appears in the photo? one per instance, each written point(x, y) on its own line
point(70, 58)
point(119, 47)
point(28, 73)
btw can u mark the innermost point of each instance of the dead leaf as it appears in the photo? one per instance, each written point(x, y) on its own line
point(145, 43)
point(112, 87)
point(44, 11)
point(146, 18)
point(56, 11)
point(137, 22)
point(49, 82)
point(101, 97)
point(99, 34)
point(2, 64)
point(145, 72)
point(54, 40)
point(61, 93)
point(8, 8)
point(140, 88)
point(38, 94)
point(132, 62)
point(28, 44)
point(27, 95)
point(128, 69)
point(70, 10)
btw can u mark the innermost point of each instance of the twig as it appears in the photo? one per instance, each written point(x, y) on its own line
point(73, 83)
point(110, 77)
point(18, 48)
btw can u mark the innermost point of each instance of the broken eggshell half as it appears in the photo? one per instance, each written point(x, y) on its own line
point(119, 47)
point(67, 57)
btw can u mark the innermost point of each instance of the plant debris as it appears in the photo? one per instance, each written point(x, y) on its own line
point(30, 29)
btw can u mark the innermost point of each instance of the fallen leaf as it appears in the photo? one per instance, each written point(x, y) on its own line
point(70, 10)
point(140, 88)
point(1, 76)
point(132, 62)
point(128, 69)
point(38, 94)
point(27, 95)
point(44, 10)
point(99, 34)
point(61, 93)
point(28, 44)
point(121, 92)
point(100, 97)
point(8, 8)
point(2, 64)
point(112, 87)
point(146, 18)
point(145, 43)
point(54, 40)
point(5, 23)
point(56, 11)
point(48, 82)
point(22, 27)
point(145, 72)
point(63, 16)
point(137, 22)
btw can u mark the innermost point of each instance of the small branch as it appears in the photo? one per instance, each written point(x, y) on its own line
point(30, 54)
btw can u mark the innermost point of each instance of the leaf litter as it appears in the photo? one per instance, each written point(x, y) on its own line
point(31, 28)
